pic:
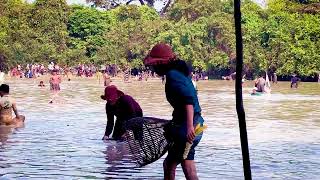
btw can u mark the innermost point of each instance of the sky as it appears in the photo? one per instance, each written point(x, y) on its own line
point(76, 1)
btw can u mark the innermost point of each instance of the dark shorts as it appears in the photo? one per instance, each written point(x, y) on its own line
point(54, 87)
point(177, 149)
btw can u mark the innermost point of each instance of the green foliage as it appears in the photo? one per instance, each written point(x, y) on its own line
point(86, 27)
point(284, 37)
point(192, 10)
point(281, 39)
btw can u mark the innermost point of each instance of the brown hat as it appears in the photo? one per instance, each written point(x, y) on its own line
point(112, 93)
point(160, 54)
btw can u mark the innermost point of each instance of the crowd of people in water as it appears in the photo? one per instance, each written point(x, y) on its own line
point(103, 73)
point(262, 84)
point(180, 90)
point(82, 70)
point(180, 93)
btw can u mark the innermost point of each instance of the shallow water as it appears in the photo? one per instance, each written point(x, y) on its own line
point(63, 140)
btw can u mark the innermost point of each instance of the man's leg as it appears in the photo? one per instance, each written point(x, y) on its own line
point(169, 169)
point(189, 169)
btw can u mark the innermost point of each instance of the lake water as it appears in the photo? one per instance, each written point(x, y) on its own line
point(63, 140)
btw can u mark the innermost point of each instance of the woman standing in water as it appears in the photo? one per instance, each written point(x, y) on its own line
point(182, 96)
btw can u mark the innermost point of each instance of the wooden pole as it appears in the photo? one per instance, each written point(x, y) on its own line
point(238, 88)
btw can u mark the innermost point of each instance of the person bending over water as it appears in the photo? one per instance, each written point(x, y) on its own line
point(124, 107)
point(7, 105)
point(182, 96)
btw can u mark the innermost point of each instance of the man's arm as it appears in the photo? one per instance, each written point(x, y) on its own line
point(15, 110)
point(110, 124)
point(190, 128)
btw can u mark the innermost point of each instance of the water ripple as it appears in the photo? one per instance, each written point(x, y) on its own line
point(63, 140)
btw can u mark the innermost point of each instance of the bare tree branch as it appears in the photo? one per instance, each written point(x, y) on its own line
point(141, 2)
point(165, 8)
point(127, 3)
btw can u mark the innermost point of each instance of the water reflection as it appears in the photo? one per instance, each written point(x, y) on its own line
point(4, 134)
point(63, 140)
point(117, 159)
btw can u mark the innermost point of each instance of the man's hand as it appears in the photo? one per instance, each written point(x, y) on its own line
point(190, 129)
point(105, 138)
point(190, 134)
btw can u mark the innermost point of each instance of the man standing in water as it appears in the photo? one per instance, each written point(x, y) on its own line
point(7, 105)
point(106, 78)
point(294, 81)
point(54, 81)
point(182, 96)
point(124, 107)
point(275, 78)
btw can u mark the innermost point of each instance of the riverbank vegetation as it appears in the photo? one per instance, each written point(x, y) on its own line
point(282, 37)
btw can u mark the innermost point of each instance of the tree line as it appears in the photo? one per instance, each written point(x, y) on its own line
point(282, 37)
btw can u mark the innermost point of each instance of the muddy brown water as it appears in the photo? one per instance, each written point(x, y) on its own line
point(63, 140)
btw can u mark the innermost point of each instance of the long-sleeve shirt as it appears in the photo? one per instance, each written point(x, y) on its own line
point(126, 108)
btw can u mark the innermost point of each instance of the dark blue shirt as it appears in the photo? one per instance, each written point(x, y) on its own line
point(181, 92)
point(294, 80)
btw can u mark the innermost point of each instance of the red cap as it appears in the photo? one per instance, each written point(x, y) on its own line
point(160, 54)
point(112, 93)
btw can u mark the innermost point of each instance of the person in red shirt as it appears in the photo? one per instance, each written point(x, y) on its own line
point(123, 106)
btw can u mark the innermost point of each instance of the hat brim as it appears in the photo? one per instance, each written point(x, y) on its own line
point(151, 61)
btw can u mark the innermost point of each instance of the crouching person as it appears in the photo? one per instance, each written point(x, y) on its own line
point(121, 106)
